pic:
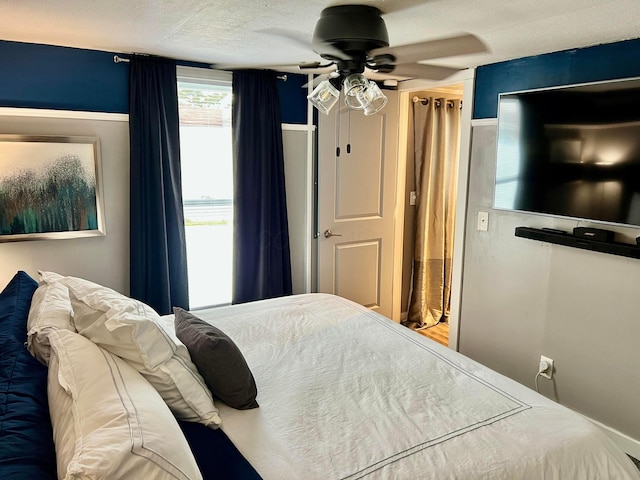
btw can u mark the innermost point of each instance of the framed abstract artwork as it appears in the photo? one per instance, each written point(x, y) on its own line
point(50, 187)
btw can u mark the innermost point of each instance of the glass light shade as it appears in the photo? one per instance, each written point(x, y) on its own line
point(355, 90)
point(324, 96)
point(376, 100)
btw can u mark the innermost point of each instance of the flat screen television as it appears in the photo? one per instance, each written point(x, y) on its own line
point(571, 151)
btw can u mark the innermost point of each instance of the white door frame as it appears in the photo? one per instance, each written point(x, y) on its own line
point(467, 78)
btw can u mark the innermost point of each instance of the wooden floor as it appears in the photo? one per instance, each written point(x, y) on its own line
point(439, 333)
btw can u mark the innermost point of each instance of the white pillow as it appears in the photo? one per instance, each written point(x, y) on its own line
point(49, 277)
point(128, 328)
point(50, 309)
point(108, 421)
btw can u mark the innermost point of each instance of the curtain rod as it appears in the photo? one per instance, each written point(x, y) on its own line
point(425, 101)
point(119, 59)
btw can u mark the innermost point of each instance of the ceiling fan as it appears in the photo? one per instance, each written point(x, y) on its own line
point(354, 38)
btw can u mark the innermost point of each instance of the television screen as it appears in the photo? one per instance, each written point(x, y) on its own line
point(571, 151)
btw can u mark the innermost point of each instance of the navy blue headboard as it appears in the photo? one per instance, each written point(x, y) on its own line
point(26, 438)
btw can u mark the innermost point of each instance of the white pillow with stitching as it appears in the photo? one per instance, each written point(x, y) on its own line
point(108, 421)
point(128, 328)
point(50, 310)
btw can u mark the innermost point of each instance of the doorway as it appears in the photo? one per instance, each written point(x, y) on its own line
point(441, 97)
point(398, 142)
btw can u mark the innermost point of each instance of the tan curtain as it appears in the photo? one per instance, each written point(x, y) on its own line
point(436, 124)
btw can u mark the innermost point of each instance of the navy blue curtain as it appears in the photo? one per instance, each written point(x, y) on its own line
point(157, 237)
point(261, 259)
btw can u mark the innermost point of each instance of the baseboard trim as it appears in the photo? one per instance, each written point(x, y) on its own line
point(628, 445)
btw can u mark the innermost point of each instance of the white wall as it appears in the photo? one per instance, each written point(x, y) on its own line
point(297, 167)
point(104, 260)
point(522, 298)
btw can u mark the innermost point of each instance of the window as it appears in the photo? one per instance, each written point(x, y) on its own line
point(204, 103)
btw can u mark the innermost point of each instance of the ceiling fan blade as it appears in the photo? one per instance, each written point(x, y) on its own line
point(419, 70)
point(440, 48)
point(298, 38)
point(309, 67)
point(316, 68)
point(302, 41)
point(320, 78)
point(317, 80)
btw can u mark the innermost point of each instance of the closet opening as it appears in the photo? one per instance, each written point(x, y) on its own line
point(433, 146)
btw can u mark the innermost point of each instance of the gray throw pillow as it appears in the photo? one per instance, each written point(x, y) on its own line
point(219, 360)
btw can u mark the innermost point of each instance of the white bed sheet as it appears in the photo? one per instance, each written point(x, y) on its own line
point(345, 393)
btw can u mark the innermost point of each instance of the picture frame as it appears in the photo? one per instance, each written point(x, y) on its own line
point(50, 187)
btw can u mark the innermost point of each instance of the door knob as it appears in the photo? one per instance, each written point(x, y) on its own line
point(329, 234)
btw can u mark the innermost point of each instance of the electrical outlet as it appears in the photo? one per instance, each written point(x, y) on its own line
point(545, 368)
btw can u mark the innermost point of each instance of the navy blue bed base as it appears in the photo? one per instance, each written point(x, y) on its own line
point(216, 456)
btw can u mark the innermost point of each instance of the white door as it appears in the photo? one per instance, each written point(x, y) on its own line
point(356, 198)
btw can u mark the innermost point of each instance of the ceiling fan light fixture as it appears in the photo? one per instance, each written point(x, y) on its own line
point(359, 94)
point(355, 91)
point(376, 100)
point(355, 84)
point(324, 96)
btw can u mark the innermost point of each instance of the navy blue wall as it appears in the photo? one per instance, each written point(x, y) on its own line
point(293, 98)
point(600, 62)
point(61, 78)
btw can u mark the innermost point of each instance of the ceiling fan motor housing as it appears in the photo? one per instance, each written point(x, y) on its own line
point(352, 29)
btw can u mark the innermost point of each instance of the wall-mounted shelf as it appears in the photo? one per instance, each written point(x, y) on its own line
point(566, 238)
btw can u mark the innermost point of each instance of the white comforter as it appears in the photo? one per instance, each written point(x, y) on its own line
point(345, 393)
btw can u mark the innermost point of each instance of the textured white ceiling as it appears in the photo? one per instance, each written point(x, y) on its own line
point(242, 32)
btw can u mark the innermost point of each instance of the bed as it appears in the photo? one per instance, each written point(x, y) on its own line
point(344, 393)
